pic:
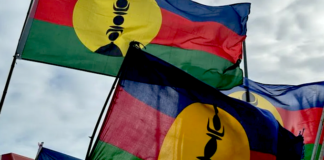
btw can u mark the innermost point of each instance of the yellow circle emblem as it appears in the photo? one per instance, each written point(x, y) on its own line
point(259, 102)
point(108, 26)
point(202, 131)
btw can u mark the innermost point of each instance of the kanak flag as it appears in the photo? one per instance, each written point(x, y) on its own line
point(297, 108)
point(94, 35)
point(159, 112)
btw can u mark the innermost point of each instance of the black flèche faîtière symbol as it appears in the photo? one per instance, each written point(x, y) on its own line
point(120, 9)
point(211, 146)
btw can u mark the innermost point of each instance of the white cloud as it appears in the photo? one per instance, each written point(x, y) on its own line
point(51, 104)
point(60, 106)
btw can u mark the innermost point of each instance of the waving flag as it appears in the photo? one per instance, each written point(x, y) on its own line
point(48, 154)
point(297, 108)
point(93, 35)
point(161, 112)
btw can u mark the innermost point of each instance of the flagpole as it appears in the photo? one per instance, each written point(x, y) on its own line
point(132, 44)
point(318, 136)
point(7, 82)
point(101, 114)
point(322, 152)
point(40, 147)
point(3, 97)
point(246, 73)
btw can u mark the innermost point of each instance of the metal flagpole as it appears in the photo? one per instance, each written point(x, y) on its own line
point(132, 44)
point(14, 59)
point(101, 114)
point(246, 72)
point(7, 82)
point(318, 136)
point(40, 147)
point(322, 152)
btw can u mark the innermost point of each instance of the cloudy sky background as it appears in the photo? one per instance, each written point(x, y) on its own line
point(60, 106)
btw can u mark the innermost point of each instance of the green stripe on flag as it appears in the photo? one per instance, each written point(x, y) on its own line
point(59, 45)
point(107, 151)
point(309, 151)
point(204, 66)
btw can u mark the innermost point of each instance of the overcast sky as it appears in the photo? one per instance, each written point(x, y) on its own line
point(60, 106)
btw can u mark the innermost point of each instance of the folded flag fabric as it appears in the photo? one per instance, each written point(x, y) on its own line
point(93, 35)
point(160, 112)
point(298, 108)
point(48, 154)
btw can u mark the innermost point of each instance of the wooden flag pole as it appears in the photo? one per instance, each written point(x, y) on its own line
point(318, 136)
point(7, 82)
point(246, 73)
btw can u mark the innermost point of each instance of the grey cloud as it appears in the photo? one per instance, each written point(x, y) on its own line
point(56, 115)
point(282, 39)
point(60, 106)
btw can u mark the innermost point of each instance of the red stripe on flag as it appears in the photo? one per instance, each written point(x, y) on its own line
point(254, 155)
point(140, 129)
point(56, 11)
point(211, 37)
point(295, 121)
point(135, 126)
point(176, 31)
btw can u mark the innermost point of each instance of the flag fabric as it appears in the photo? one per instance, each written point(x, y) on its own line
point(93, 35)
point(48, 154)
point(13, 156)
point(296, 107)
point(160, 112)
